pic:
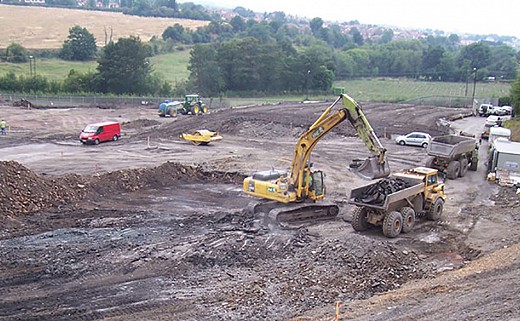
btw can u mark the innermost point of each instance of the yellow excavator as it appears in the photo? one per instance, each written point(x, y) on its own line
point(291, 197)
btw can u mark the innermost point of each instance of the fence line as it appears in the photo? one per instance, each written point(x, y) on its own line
point(213, 102)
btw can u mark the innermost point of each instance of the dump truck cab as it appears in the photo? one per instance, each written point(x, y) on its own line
point(433, 187)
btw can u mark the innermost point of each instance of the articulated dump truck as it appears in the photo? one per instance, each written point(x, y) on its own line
point(453, 155)
point(395, 202)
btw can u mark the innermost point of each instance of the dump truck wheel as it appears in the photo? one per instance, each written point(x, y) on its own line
point(392, 224)
point(435, 211)
point(408, 219)
point(359, 219)
point(463, 167)
point(453, 170)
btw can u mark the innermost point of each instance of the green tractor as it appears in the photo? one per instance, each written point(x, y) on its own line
point(192, 105)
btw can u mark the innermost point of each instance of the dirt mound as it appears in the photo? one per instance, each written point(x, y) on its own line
point(23, 191)
point(140, 123)
point(156, 177)
point(290, 120)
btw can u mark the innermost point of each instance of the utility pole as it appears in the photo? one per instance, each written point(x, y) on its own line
point(32, 66)
point(475, 70)
point(467, 80)
point(307, 85)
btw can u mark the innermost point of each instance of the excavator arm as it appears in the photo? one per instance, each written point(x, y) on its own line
point(374, 167)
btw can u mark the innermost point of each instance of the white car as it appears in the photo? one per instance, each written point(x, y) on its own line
point(415, 139)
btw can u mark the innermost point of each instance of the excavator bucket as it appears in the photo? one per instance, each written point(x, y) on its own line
point(370, 168)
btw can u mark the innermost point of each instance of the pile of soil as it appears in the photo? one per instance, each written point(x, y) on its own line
point(292, 119)
point(22, 191)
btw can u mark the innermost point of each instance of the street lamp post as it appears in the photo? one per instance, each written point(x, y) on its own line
point(475, 70)
point(32, 66)
point(307, 85)
point(467, 79)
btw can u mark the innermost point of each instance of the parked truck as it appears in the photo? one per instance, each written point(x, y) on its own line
point(396, 201)
point(452, 155)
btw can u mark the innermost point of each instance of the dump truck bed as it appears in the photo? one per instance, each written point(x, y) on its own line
point(416, 187)
point(450, 146)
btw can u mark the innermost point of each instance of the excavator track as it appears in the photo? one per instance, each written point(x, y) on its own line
point(295, 214)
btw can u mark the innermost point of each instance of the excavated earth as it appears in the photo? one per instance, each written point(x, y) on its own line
point(152, 227)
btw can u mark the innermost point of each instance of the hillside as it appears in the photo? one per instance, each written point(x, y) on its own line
point(47, 28)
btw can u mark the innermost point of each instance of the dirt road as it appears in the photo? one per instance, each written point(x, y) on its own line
point(153, 227)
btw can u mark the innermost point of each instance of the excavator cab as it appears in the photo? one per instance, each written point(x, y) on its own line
point(314, 187)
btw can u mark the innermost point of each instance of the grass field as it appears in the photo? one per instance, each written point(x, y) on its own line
point(384, 89)
point(171, 67)
point(48, 28)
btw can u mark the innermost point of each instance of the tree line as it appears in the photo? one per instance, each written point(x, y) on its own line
point(274, 55)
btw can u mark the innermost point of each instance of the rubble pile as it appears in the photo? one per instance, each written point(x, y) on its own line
point(376, 193)
point(308, 275)
point(22, 191)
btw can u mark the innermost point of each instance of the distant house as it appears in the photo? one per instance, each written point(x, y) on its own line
point(34, 1)
point(110, 4)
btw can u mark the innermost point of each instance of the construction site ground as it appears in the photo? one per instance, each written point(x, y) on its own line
point(152, 227)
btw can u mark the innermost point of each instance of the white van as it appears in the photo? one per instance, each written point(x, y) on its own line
point(496, 120)
point(498, 133)
point(484, 109)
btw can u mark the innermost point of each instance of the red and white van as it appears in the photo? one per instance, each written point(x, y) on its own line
point(100, 132)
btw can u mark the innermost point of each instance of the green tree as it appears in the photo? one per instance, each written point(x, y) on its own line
point(177, 33)
point(238, 61)
point(387, 36)
point(172, 4)
point(261, 32)
point(431, 61)
point(9, 82)
point(356, 36)
point(124, 67)
point(238, 23)
point(316, 26)
point(77, 82)
point(205, 76)
point(503, 62)
point(477, 55)
point(515, 94)
point(16, 53)
point(79, 46)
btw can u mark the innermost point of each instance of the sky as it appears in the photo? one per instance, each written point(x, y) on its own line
point(500, 17)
